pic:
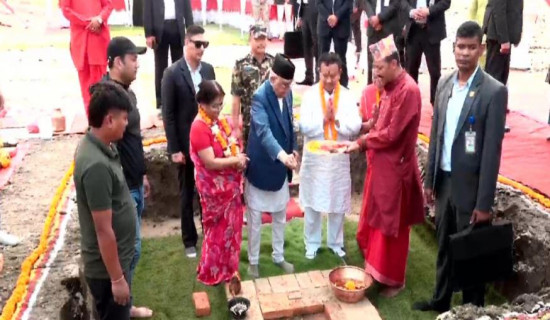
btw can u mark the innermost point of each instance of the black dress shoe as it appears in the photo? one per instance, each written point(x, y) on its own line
point(306, 82)
point(428, 306)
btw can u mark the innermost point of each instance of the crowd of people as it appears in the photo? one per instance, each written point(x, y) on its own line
point(244, 162)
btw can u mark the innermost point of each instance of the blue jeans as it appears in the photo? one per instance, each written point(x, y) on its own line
point(139, 199)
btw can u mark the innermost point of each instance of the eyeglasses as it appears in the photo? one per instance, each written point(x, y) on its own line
point(199, 44)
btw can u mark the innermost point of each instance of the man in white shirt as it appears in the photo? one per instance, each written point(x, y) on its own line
point(328, 112)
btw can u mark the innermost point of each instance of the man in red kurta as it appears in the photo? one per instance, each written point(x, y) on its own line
point(89, 39)
point(393, 199)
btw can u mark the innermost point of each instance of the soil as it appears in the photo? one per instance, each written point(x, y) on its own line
point(24, 204)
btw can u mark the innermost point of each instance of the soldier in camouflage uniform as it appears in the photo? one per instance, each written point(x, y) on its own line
point(249, 73)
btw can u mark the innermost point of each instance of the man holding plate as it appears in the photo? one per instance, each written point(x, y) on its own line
point(328, 115)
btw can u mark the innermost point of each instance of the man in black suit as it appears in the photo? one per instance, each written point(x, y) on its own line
point(179, 108)
point(357, 10)
point(334, 24)
point(383, 21)
point(463, 157)
point(424, 32)
point(307, 21)
point(503, 24)
point(164, 22)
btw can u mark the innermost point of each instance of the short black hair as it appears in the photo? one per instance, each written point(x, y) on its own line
point(329, 58)
point(194, 30)
point(393, 56)
point(209, 91)
point(111, 62)
point(470, 29)
point(105, 97)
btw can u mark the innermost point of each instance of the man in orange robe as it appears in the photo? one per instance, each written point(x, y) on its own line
point(393, 199)
point(89, 39)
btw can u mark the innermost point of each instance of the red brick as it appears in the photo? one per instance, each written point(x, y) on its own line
point(326, 273)
point(275, 305)
point(255, 312)
point(262, 286)
point(317, 279)
point(202, 304)
point(277, 284)
point(314, 299)
point(290, 283)
point(317, 316)
point(294, 295)
point(333, 311)
point(304, 281)
point(248, 290)
point(297, 307)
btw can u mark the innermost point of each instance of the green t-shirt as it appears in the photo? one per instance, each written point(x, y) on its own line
point(100, 185)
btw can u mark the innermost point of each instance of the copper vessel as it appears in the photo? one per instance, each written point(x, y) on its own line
point(342, 274)
point(58, 120)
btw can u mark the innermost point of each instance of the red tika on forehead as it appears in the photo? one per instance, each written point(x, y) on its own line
point(383, 48)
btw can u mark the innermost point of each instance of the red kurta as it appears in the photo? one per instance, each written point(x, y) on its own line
point(393, 199)
point(88, 49)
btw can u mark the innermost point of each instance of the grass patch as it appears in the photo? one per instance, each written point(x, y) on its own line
point(165, 280)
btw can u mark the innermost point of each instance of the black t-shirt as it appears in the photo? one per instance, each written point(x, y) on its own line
point(130, 148)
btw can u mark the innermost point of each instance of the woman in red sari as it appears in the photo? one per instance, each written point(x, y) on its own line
point(218, 175)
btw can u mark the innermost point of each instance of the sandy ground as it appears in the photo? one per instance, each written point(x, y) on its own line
point(42, 78)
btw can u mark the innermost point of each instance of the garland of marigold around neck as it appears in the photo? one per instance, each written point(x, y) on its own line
point(231, 147)
point(26, 267)
point(331, 124)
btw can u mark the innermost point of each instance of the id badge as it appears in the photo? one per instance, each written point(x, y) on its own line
point(470, 142)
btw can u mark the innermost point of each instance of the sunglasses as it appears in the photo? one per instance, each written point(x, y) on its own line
point(199, 44)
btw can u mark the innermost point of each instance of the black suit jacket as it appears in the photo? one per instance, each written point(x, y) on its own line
point(153, 17)
point(436, 20)
point(473, 176)
point(342, 10)
point(388, 17)
point(299, 8)
point(503, 20)
point(179, 106)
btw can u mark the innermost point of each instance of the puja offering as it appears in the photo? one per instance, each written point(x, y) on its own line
point(326, 146)
point(238, 307)
point(349, 283)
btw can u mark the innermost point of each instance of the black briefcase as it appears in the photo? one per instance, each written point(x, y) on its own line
point(293, 46)
point(482, 254)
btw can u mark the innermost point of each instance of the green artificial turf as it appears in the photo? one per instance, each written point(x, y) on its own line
point(165, 280)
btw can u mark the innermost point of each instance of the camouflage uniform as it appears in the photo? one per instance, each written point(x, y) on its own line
point(248, 75)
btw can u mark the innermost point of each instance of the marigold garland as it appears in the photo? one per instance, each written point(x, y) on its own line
point(230, 148)
point(331, 124)
point(26, 267)
point(543, 200)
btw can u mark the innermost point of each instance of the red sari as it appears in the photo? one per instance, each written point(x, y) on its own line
point(222, 210)
point(392, 197)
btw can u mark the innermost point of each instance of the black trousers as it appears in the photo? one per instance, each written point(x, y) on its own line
point(105, 305)
point(356, 32)
point(417, 45)
point(186, 177)
point(497, 64)
point(340, 47)
point(449, 220)
point(310, 43)
point(170, 40)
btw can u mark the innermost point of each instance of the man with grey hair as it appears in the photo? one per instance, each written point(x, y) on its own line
point(271, 148)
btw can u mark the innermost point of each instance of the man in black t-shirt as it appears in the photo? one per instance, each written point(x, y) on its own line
point(123, 65)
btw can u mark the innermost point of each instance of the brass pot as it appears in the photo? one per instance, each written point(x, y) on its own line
point(349, 273)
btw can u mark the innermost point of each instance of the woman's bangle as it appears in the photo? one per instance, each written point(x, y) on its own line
point(117, 281)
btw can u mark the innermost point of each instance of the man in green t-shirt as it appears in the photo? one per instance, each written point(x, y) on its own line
point(106, 211)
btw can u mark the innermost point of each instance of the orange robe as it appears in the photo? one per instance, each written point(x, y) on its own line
point(88, 49)
point(392, 197)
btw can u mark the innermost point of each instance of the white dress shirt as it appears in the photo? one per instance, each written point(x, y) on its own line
point(169, 9)
point(454, 108)
point(195, 75)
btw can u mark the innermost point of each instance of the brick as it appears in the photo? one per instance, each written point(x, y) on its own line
point(325, 274)
point(255, 312)
point(202, 304)
point(277, 284)
point(275, 305)
point(333, 311)
point(248, 290)
point(314, 299)
point(294, 295)
point(297, 307)
point(317, 316)
point(317, 279)
point(262, 286)
point(360, 310)
point(290, 283)
point(304, 281)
